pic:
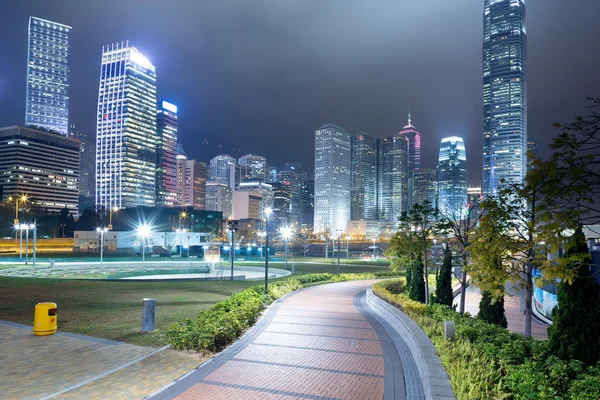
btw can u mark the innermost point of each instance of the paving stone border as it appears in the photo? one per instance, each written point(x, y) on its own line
point(434, 378)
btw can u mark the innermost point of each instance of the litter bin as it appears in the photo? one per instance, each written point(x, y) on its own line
point(44, 319)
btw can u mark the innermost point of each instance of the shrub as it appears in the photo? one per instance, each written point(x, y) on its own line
point(417, 283)
point(443, 290)
point(491, 310)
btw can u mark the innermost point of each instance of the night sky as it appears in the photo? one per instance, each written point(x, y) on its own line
point(262, 75)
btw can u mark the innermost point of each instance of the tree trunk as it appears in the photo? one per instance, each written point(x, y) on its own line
point(528, 302)
point(463, 285)
point(425, 270)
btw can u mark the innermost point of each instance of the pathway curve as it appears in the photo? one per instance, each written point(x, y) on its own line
point(317, 343)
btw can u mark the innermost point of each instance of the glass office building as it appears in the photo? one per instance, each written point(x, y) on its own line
point(392, 165)
point(363, 203)
point(413, 139)
point(452, 177)
point(48, 75)
point(126, 137)
point(221, 170)
point(166, 154)
point(504, 94)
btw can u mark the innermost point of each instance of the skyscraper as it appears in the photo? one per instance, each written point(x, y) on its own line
point(191, 183)
point(308, 204)
point(87, 162)
point(257, 166)
point(332, 178)
point(392, 177)
point(219, 197)
point(452, 176)
point(425, 186)
point(363, 203)
point(166, 154)
point(504, 94)
point(413, 138)
point(220, 169)
point(48, 75)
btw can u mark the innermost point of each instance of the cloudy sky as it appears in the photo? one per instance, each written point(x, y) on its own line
point(263, 75)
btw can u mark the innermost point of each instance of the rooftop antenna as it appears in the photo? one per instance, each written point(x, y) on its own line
point(409, 116)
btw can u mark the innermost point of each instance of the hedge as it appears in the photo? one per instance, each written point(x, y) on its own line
point(214, 329)
point(489, 362)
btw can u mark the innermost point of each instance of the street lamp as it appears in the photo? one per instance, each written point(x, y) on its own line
point(180, 233)
point(268, 212)
point(286, 234)
point(23, 199)
point(347, 247)
point(114, 209)
point(339, 237)
point(144, 231)
point(101, 231)
point(233, 226)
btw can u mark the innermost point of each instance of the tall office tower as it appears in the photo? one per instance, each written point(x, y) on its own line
point(413, 138)
point(42, 165)
point(308, 204)
point(126, 129)
point(425, 186)
point(48, 75)
point(166, 154)
point(257, 165)
point(240, 173)
point(191, 183)
point(504, 94)
point(332, 178)
point(87, 161)
point(532, 146)
point(219, 197)
point(282, 202)
point(220, 169)
point(363, 200)
point(452, 176)
point(290, 176)
point(393, 177)
point(265, 190)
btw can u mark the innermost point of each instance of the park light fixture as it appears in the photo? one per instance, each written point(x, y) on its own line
point(286, 232)
point(144, 231)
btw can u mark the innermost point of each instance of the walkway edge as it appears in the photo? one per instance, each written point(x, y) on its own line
point(434, 378)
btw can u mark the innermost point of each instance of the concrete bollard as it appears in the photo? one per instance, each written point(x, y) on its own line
point(148, 315)
point(449, 330)
point(293, 269)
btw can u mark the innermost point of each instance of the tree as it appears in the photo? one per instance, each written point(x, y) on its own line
point(443, 291)
point(576, 320)
point(417, 289)
point(491, 309)
point(460, 224)
point(421, 218)
point(404, 248)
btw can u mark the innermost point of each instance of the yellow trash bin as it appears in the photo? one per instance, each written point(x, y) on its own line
point(44, 319)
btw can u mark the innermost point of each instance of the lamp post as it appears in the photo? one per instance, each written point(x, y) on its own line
point(22, 199)
point(268, 212)
point(180, 233)
point(20, 229)
point(339, 232)
point(374, 240)
point(233, 226)
point(26, 227)
point(347, 247)
point(286, 234)
point(112, 210)
point(101, 231)
point(144, 232)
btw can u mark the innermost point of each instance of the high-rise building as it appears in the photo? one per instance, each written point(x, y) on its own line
point(332, 178)
point(413, 138)
point(126, 129)
point(220, 169)
point(264, 189)
point(219, 197)
point(87, 161)
point(258, 169)
point(532, 146)
point(48, 75)
point(166, 154)
point(452, 176)
point(42, 165)
point(504, 94)
point(474, 193)
point(363, 203)
point(191, 183)
point(282, 202)
point(290, 177)
point(392, 177)
point(247, 205)
point(425, 186)
point(308, 204)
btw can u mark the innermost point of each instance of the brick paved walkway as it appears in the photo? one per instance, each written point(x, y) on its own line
point(318, 343)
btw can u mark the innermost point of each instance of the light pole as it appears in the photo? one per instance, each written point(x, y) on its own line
point(268, 212)
point(112, 210)
point(233, 226)
point(286, 234)
point(34, 228)
point(374, 240)
point(101, 231)
point(180, 233)
point(339, 232)
point(144, 232)
point(347, 247)
point(20, 229)
point(26, 226)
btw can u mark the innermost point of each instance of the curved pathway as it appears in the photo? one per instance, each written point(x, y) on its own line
point(317, 343)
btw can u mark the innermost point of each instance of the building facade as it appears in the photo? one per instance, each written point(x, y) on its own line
point(363, 202)
point(308, 204)
point(393, 177)
point(126, 129)
point(332, 179)
point(191, 183)
point(290, 177)
point(42, 165)
point(87, 161)
point(166, 154)
point(258, 168)
point(219, 197)
point(452, 177)
point(264, 189)
point(247, 205)
point(220, 169)
point(413, 140)
point(425, 186)
point(48, 75)
point(504, 94)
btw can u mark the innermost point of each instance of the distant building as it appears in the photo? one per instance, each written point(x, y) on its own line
point(87, 162)
point(166, 154)
point(370, 228)
point(393, 177)
point(504, 94)
point(191, 183)
point(220, 169)
point(48, 75)
point(247, 205)
point(413, 138)
point(42, 165)
point(363, 201)
point(532, 146)
point(332, 179)
point(452, 176)
point(264, 189)
point(308, 204)
point(126, 129)
point(290, 177)
point(257, 165)
point(474, 193)
point(425, 186)
point(282, 202)
point(219, 197)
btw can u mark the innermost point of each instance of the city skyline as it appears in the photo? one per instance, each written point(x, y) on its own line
point(388, 103)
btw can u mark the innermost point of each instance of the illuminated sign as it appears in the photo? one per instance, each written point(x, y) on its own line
point(169, 107)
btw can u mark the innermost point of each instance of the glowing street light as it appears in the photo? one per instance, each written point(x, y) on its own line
point(144, 231)
point(115, 210)
point(286, 234)
point(268, 212)
point(101, 231)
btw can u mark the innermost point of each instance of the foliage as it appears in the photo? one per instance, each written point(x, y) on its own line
point(574, 333)
point(492, 310)
point(443, 291)
point(417, 283)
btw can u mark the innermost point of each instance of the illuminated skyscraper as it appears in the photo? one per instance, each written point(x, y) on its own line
point(48, 75)
point(364, 177)
point(219, 197)
point(257, 166)
point(413, 138)
point(221, 171)
point(392, 177)
point(452, 176)
point(332, 179)
point(126, 129)
point(425, 186)
point(504, 94)
point(166, 154)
